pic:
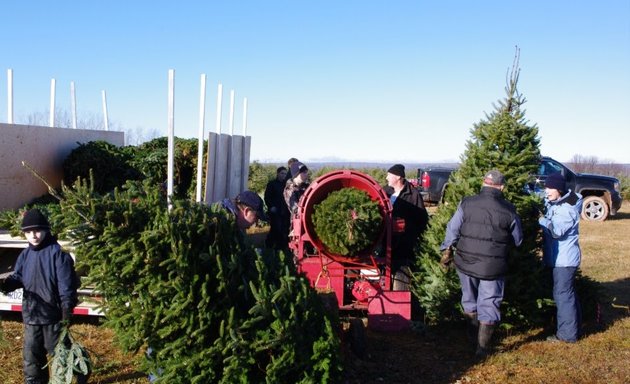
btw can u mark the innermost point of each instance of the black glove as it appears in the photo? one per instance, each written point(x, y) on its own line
point(66, 316)
point(447, 258)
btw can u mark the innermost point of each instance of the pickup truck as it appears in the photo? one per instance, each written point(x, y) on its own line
point(601, 194)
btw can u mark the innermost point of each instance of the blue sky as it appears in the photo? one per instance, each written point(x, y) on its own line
point(391, 81)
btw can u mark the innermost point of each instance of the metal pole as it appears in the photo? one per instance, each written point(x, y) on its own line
point(245, 116)
point(51, 120)
point(219, 107)
point(171, 136)
point(105, 118)
point(202, 116)
point(231, 112)
point(10, 96)
point(73, 100)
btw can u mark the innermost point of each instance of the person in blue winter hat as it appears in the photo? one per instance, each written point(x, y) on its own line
point(562, 253)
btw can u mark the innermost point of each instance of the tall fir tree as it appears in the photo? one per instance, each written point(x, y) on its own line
point(506, 141)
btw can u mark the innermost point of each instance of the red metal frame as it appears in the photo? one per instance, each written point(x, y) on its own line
point(329, 271)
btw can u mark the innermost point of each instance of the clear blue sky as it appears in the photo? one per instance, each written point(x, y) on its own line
point(391, 81)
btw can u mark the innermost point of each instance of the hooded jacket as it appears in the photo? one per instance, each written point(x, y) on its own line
point(560, 226)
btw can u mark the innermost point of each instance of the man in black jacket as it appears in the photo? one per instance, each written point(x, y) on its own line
point(408, 211)
point(50, 283)
point(483, 230)
point(277, 211)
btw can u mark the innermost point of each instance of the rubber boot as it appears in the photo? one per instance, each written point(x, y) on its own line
point(483, 339)
point(472, 328)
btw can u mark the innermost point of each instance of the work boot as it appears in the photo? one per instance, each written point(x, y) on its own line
point(483, 339)
point(472, 328)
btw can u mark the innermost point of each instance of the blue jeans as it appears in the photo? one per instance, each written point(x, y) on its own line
point(567, 304)
point(483, 297)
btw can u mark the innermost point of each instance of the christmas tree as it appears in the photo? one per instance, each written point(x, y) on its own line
point(182, 283)
point(505, 141)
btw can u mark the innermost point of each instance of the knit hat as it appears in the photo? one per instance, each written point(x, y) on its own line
point(297, 168)
point(494, 177)
point(252, 200)
point(398, 170)
point(34, 219)
point(556, 181)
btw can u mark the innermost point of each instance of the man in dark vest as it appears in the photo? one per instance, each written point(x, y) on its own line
point(483, 230)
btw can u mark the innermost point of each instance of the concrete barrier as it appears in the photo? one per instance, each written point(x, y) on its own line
point(44, 149)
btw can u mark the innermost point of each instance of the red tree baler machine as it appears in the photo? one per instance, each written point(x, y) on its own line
point(361, 282)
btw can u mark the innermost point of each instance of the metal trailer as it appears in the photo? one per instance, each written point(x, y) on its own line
point(10, 248)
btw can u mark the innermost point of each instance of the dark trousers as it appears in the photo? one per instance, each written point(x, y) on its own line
point(38, 339)
point(278, 237)
point(567, 304)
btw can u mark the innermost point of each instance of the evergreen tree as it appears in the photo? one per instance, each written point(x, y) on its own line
point(184, 283)
point(506, 141)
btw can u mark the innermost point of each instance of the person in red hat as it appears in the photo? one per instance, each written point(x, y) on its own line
point(50, 283)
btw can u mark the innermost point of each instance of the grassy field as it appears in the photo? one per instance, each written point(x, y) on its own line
point(442, 355)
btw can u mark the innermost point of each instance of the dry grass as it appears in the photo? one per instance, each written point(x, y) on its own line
point(442, 355)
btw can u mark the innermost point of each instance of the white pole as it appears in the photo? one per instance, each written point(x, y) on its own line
point(202, 117)
point(10, 96)
point(51, 120)
point(245, 117)
point(73, 100)
point(105, 117)
point(231, 112)
point(219, 107)
point(171, 136)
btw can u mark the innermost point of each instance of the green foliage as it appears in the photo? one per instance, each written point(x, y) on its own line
point(11, 220)
point(260, 175)
point(347, 221)
point(507, 142)
point(378, 174)
point(624, 180)
point(111, 165)
point(70, 359)
point(184, 283)
point(150, 159)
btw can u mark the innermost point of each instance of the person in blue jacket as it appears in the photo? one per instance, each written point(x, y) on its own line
point(47, 275)
point(561, 252)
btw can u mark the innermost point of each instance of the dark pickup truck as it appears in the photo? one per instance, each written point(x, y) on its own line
point(601, 193)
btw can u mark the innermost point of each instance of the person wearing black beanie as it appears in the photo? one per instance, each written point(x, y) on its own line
point(50, 283)
point(408, 210)
point(562, 253)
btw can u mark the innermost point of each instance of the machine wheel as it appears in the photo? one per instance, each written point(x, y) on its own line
point(401, 279)
point(358, 337)
point(594, 208)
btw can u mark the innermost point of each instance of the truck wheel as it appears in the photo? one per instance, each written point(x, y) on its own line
point(594, 208)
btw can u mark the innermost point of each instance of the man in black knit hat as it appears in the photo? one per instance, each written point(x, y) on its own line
point(409, 211)
point(50, 283)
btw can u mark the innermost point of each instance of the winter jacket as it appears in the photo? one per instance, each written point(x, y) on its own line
point(408, 206)
point(49, 280)
point(483, 229)
point(560, 226)
point(274, 198)
point(292, 194)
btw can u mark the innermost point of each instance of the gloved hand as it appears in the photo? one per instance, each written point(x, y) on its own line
point(66, 316)
point(447, 258)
